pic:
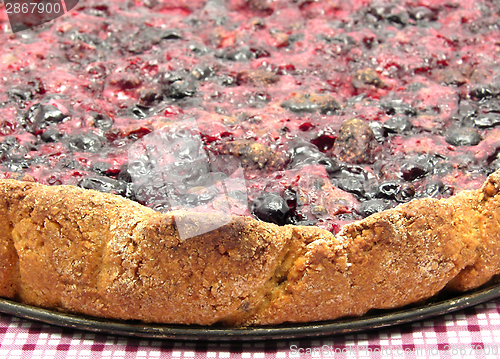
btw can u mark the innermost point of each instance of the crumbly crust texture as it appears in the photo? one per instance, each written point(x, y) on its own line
point(91, 253)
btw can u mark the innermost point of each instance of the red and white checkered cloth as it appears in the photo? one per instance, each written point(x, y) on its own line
point(470, 333)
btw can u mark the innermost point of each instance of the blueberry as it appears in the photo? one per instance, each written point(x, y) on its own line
point(433, 189)
point(171, 34)
point(40, 116)
point(124, 174)
point(202, 72)
point(388, 189)
point(443, 167)
point(487, 120)
point(106, 184)
point(227, 80)
point(19, 95)
point(51, 135)
point(7, 144)
point(397, 124)
point(85, 143)
point(398, 17)
point(180, 89)
point(490, 105)
point(331, 165)
point(14, 155)
point(304, 153)
point(367, 208)
point(270, 207)
point(139, 111)
point(257, 99)
point(481, 92)
point(415, 86)
point(66, 163)
point(240, 54)
point(298, 221)
point(102, 121)
point(422, 13)
point(463, 136)
point(378, 130)
point(412, 170)
point(406, 192)
point(187, 197)
point(149, 97)
point(398, 107)
point(351, 185)
point(101, 168)
point(290, 196)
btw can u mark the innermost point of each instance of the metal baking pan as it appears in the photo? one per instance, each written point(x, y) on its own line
point(373, 320)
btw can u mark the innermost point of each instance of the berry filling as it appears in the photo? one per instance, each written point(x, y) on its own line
point(297, 112)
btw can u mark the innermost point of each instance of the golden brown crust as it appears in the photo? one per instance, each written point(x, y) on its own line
point(87, 252)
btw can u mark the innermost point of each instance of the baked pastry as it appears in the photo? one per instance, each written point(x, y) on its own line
point(98, 254)
point(291, 160)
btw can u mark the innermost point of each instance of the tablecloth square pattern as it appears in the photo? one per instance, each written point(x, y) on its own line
point(455, 335)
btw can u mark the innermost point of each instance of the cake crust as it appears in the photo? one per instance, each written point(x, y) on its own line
point(92, 253)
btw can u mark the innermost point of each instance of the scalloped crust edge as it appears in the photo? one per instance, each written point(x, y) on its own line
point(86, 252)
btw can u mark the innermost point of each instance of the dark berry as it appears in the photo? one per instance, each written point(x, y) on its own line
point(487, 120)
point(352, 185)
point(331, 165)
point(7, 144)
point(240, 54)
point(180, 89)
point(139, 111)
point(379, 132)
point(367, 208)
point(104, 184)
point(303, 153)
point(481, 92)
point(149, 97)
point(290, 196)
point(398, 107)
point(270, 207)
point(19, 95)
point(227, 80)
point(124, 174)
point(388, 189)
point(102, 121)
point(40, 116)
point(101, 168)
point(202, 72)
point(397, 124)
point(85, 143)
point(463, 136)
point(51, 135)
point(324, 142)
point(406, 192)
point(432, 189)
point(69, 164)
point(423, 13)
point(411, 170)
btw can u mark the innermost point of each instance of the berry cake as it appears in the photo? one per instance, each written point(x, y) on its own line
point(249, 162)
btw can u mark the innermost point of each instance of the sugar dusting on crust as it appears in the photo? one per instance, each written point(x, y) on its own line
point(92, 253)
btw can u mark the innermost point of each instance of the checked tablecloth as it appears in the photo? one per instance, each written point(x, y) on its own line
point(470, 333)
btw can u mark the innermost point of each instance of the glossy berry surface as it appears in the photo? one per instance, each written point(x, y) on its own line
point(329, 111)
